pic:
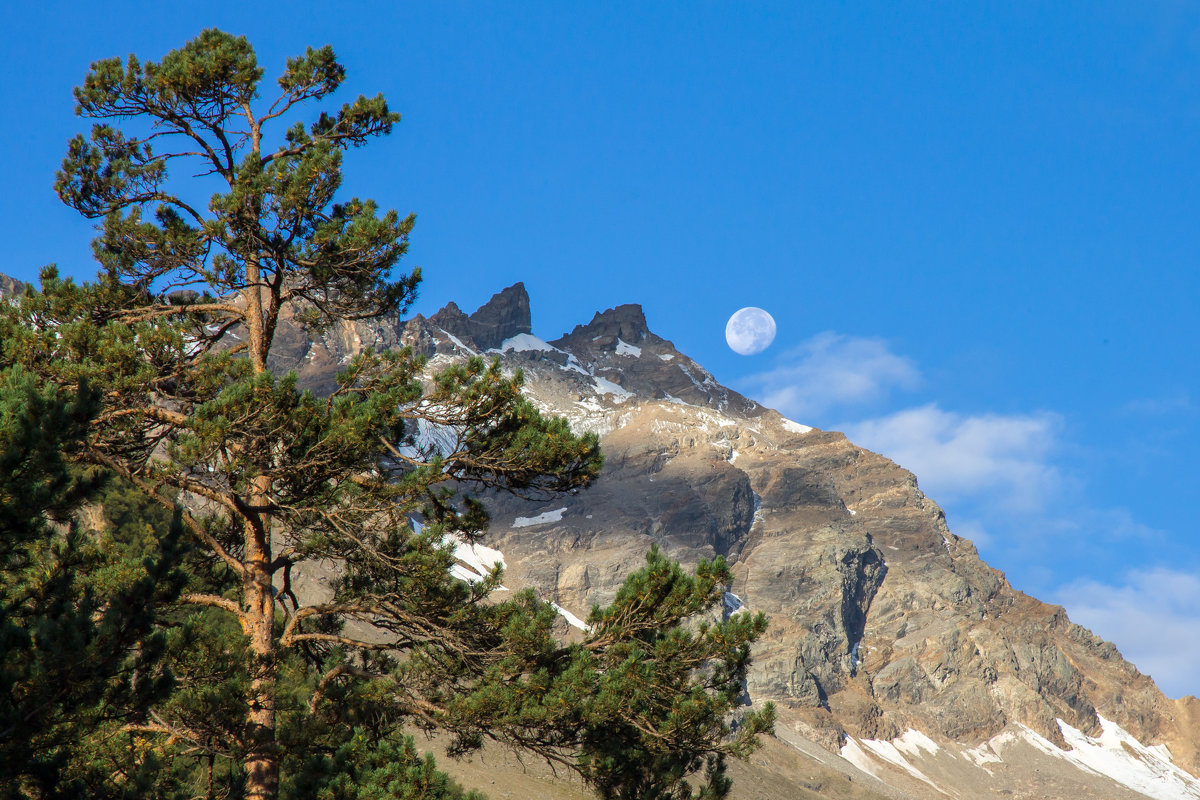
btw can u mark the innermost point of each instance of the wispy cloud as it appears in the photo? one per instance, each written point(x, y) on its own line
point(1001, 459)
point(1109, 525)
point(831, 370)
point(1159, 406)
point(1153, 616)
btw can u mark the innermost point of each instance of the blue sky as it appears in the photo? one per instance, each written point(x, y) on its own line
point(975, 225)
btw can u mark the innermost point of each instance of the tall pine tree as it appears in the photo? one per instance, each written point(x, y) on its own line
point(175, 338)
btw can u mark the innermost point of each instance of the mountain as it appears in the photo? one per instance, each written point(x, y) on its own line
point(898, 658)
point(903, 666)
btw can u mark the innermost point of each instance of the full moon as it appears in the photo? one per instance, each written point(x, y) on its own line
point(750, 330)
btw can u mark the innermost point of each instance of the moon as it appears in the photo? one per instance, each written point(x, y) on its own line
point(750, 330)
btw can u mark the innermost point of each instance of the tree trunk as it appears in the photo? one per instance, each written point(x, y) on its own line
point(262, 762)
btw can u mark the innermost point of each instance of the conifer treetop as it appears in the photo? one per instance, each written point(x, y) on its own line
point(273, 233)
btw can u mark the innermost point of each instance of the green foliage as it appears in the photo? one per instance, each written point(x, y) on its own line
point(275, 226)
point(79, 656)
point(639, 705)
point(206, 673)
point(366, 767)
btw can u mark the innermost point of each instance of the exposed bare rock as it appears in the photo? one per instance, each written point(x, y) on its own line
point(10, 287)
point(504, 316)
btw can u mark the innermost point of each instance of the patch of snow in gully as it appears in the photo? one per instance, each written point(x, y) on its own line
point(626, 349)
point(540, 519)
point(571, 619)
point(885, 750)
point(457, 342)
point(527, 342)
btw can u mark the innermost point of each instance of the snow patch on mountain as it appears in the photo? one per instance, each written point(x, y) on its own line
point(526, 342)
point(605, 386)
point(626, 349)
point(477, 557)
point(1117, 755)
point(718, 420)
point(456, 341)
point(794, 427)
point(430, 439)
point(571, 619)
point(733, 604)
point(913, 742)
point(1114, 754)
point(574, 365)
point(691, 377)
point(540, 519)
point(981, 755)
point(854, 752)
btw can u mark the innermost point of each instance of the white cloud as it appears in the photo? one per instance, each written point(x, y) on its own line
point(1001, 459)
point(828, 370)
point(1153, 616)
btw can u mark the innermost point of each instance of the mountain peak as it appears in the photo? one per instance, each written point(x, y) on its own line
point(504, 316)
point(625, 322)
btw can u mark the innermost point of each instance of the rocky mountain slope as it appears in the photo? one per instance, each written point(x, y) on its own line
point(903, 666)
point(894, 651)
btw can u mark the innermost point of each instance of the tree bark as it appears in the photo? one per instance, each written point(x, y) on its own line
point(262, 762)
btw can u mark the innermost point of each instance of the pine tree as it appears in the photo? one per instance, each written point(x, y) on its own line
point(175, 340)
point(78, 647)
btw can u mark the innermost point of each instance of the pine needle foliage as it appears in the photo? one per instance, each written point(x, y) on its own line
point(272, 692)
point(80, 655)
point(174, 339)
point(643, 702)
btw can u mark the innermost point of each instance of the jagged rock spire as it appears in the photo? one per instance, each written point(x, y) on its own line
point(503, 317)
